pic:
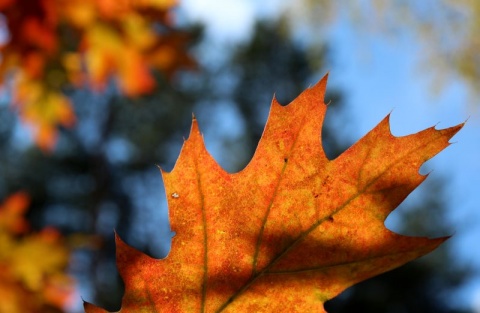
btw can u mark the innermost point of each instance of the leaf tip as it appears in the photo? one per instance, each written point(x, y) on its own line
point(194, 130)
point(90, 308)
point(326, 75)
point(321, 85)
point(118, 240)
point(438, 241)
point(449, 132)
point(160, 169)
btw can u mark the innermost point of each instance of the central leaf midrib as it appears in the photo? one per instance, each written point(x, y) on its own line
point(205, 246)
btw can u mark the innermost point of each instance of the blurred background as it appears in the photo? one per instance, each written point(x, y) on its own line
point(95, 94)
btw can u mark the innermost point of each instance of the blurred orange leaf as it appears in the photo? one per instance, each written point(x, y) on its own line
point(290, 231)
point(12, 211)
point(43, 110)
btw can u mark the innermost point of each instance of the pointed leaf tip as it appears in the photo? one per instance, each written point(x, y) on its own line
point(90, 308)
point(321, 85)
point(195, 133)
point(455, 129)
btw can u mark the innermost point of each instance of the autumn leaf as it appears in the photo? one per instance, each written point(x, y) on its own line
point(290, 231)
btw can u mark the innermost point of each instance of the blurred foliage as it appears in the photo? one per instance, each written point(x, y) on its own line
point(93, 181)
point(32, 264)
point(60, 44)
point(90, 182)
point(447, 30)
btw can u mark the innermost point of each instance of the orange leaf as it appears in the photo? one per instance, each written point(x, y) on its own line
point(34, 64)
point(134, 77)
point(12, 211)
point(290, 231)
point(43, 110)
point(79, 13)
point(102, 47)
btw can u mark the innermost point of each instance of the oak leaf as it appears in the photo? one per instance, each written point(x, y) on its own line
point(290, 231)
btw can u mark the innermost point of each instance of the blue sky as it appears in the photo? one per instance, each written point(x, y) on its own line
point(381, 77)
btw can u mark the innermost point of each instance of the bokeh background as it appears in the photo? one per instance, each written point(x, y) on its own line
point(95, 94)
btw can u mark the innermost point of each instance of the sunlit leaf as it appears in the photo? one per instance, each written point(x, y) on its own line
point(290, 231)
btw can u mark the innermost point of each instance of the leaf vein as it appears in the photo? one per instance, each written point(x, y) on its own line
point(204, 221)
